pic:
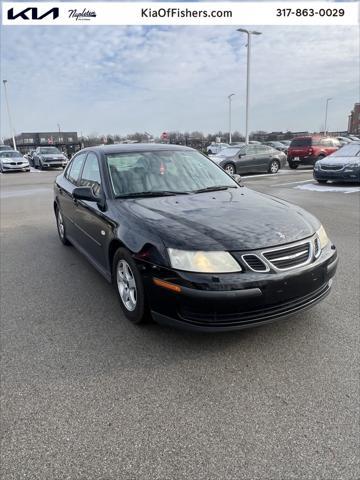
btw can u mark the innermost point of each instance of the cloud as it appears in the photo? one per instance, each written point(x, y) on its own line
point(122, 79)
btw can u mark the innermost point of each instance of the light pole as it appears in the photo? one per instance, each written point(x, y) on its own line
point(326, 114)
point(8, 110)
point(58, 125)
point(248, 33)
point(229, 98)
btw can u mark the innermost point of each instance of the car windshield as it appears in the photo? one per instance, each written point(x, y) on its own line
point(276, 144)
point(170, 172)
point(348, 150)
point(10, 154)
point(301, 142)
point(47, 150)
point(229, 152)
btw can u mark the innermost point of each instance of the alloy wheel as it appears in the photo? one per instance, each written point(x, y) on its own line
point(230, 169)
point(274, 166)
point(126, 285)
point(60, 224)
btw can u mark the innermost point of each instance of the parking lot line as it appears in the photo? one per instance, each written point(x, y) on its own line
point(262, 175)
point(292, 183)
point(329, 188)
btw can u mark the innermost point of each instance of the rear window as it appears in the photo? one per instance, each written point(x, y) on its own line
point(301, 142)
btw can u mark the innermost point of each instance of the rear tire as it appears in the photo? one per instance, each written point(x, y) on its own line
point(293, 165)
point(230, 168)
point(130, 287)
point(274, 166)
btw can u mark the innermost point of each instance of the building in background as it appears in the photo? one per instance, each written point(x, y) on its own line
point(68, 142)
point(354, 120)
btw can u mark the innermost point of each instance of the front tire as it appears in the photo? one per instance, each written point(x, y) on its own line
point(230, 168)
point(321, 181)
point(130, 287)
point(274, 166)
point(61, 227)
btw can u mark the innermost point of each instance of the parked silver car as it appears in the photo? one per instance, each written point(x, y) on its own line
point(250, 158)
point(215, 147)
point(11, 160)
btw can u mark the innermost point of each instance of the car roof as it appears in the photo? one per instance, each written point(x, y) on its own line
point(135, 147)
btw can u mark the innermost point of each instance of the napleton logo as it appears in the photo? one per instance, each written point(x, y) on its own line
point(83, 15)
point(31, 13)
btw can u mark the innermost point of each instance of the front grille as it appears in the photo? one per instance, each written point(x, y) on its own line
point(255, 263)
point(317, 248)
point(332, 167)
point(289, 257)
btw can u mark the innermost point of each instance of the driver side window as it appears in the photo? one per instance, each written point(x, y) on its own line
point(90, 176)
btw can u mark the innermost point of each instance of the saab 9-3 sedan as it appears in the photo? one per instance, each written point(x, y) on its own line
point(186, 244)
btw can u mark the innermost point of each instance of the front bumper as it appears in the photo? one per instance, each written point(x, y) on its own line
point(305, 160)
point(344, 175)
point(236, 301)
point(22, 166)
point(54, 164)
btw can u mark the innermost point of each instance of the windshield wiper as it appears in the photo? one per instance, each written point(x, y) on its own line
point(162, 193)
point(213, 189)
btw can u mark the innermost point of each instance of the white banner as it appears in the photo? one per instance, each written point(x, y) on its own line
point(184, 13)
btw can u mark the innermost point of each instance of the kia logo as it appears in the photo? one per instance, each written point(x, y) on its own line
point(31, 13)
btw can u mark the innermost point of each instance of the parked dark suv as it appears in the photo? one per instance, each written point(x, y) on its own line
point(307, 150)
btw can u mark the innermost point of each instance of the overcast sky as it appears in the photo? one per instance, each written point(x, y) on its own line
point(126, 79)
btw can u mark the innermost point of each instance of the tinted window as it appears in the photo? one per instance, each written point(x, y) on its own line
point(251, 149)
point(301, 142)
point(73, 172)
point(90, 176)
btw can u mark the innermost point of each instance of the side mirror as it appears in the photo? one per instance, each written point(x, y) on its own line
point(85, 193)
point(237, 179)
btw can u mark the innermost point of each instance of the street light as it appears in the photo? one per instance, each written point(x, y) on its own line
point(248, 33)
point(326, 114)
point(8, 110)
point(58, 125)
point(229, 98)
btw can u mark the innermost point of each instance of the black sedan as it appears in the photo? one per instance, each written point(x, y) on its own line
point(250, 159)
point(185, 244)
point(341, 166)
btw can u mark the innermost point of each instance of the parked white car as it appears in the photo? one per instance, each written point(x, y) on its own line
point(215, 147)
point(11, 160)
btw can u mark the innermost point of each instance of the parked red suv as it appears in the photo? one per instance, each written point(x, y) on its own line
point(307, 150)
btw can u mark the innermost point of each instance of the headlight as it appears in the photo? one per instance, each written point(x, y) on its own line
point(324, 239)
point(353, 165)
point(316, 166)
point(203, 262)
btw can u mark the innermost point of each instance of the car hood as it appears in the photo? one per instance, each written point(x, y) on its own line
point(338, 160)
point(235, 219)
point(56, 156)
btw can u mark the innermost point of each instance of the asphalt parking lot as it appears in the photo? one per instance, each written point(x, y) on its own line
point(87, 395)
